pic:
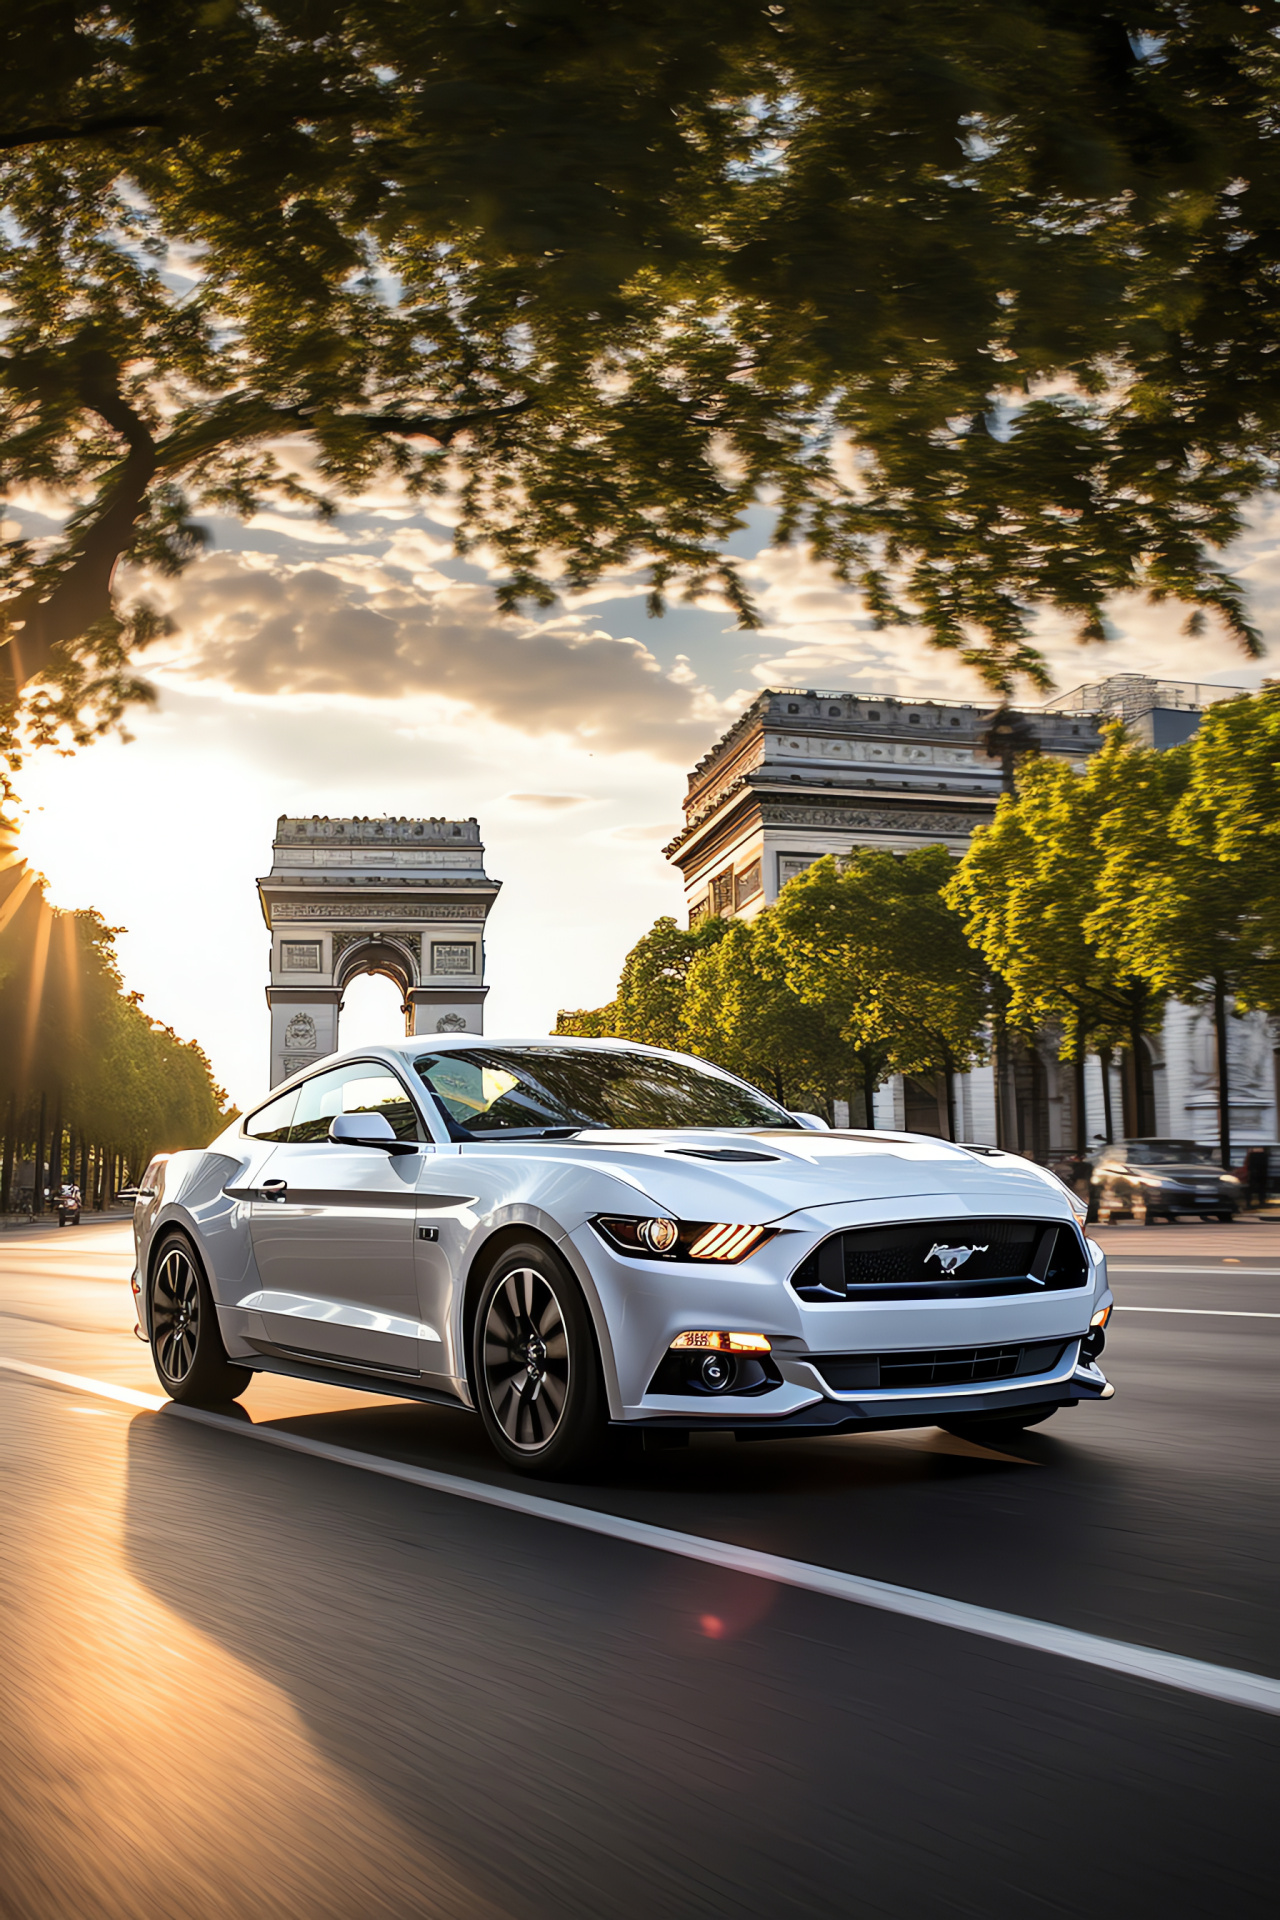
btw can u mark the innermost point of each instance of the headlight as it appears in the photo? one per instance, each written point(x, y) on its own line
point(718, 1241)
point(1228, 1180)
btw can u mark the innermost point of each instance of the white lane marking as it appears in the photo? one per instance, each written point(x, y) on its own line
point(103, 1389)
point(1229, 1684)
point(1212, 1313)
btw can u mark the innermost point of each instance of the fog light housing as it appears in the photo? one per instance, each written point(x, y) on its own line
point(717, 1371)
point(709, 1362)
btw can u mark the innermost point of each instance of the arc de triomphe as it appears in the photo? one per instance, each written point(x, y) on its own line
point(405, 898)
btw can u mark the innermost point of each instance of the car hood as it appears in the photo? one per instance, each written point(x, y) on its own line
point(691, 1175)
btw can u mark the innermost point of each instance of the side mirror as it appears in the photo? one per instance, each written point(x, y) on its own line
point(367, 1130)
point(814, 1122)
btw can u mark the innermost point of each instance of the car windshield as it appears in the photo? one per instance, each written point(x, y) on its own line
point(1169, 1153)
point(527, 1091)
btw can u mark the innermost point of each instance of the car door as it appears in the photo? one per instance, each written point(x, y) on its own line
point(333, 1229)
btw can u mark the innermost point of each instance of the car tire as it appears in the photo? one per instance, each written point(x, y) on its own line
point(182, 1324)
point(991, 1428)
point(536, 1370)
point(1227, 1219)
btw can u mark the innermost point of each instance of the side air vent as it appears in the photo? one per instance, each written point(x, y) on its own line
point(944, 1260)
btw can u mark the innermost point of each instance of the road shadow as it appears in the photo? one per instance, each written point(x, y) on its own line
point(583, 1729)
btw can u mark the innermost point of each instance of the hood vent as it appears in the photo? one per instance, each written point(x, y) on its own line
point(721, 1153)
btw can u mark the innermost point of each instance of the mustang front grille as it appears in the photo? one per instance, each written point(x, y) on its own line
point(944, 1260)
point(946, 1367)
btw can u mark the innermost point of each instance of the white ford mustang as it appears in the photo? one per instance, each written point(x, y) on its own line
point(577, 1238)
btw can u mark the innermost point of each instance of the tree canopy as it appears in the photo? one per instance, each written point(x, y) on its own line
point(1028, 890)
point(859, 971)
point(1153, 873)
point(872, 941)
point(982, 297)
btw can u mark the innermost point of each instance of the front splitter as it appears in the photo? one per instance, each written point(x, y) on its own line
point(832, 1416)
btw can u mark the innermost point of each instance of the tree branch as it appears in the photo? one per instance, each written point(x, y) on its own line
point(428, 427)
point(55, 613)
point(86, 130)
point(51, 615)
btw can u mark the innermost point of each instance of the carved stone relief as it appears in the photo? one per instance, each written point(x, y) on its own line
point(300, 1034)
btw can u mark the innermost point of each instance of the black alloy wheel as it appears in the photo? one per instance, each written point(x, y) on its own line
point(186, 1344)
point(537, 1374)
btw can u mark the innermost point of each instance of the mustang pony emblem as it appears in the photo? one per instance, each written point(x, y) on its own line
point(951, 1258)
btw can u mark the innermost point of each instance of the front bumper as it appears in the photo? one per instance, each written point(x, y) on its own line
point(645, 1306)
point(1186, 1200)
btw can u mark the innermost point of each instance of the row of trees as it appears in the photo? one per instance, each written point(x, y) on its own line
point(860, 971)
point(90, 1086)
point(1090, 901)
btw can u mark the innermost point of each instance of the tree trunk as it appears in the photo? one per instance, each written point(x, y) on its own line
point(55, 1155)
point(1220, 1017)
point(37, 1177)
point(1077, 1075)
point(6, 1170)
point(949, 1082)
point(1006, 1121)
point(1137, 1105)
point(84, 1168)
point(869, 1097)
point(1108, 1124)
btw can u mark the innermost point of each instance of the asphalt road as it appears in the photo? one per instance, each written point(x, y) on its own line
point(239, 1681)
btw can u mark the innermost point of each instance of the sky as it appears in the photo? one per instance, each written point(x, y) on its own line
point(359, 668)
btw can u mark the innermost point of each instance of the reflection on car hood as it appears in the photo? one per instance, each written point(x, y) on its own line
point(698, 1175)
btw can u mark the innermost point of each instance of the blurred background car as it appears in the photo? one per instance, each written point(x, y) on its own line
point(1147, 1180)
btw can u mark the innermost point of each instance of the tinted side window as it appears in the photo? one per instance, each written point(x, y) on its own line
point(272, 1122)
point(359, 1087)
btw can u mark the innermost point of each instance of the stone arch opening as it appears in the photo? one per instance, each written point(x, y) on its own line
point(384, 958)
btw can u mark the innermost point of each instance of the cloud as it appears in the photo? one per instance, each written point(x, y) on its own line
point(314, 531)
point(552, 802)
point(354, 628)
point(829, 641)
point(658, 834)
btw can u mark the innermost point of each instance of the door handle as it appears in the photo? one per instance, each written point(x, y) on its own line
point(274, 1189)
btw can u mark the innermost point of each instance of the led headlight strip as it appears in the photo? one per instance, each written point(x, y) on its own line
point(661, 1238)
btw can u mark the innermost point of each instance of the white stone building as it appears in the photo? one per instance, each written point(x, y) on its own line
point(404, 898)
point(805, 773)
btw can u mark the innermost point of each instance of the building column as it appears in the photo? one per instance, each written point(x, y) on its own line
point(304, 1027)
